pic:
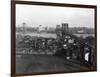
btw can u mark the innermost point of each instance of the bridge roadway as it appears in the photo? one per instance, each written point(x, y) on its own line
point(46, 63)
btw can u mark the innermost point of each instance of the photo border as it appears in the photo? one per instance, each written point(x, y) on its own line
point(13, 33)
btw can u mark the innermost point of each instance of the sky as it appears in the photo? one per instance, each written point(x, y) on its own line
point(50, 16)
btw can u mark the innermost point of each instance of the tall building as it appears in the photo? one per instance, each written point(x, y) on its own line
point(58, 30)
point(64, 29)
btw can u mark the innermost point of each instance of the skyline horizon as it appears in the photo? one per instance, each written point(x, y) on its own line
point(53, 26)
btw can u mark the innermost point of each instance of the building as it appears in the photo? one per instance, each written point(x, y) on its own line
point(64, 29)
point(58, 31)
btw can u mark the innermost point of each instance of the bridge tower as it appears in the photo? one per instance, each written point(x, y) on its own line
point(24, 27)
point(64, 29)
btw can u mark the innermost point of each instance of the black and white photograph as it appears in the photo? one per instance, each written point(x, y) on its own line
point(54, 39)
